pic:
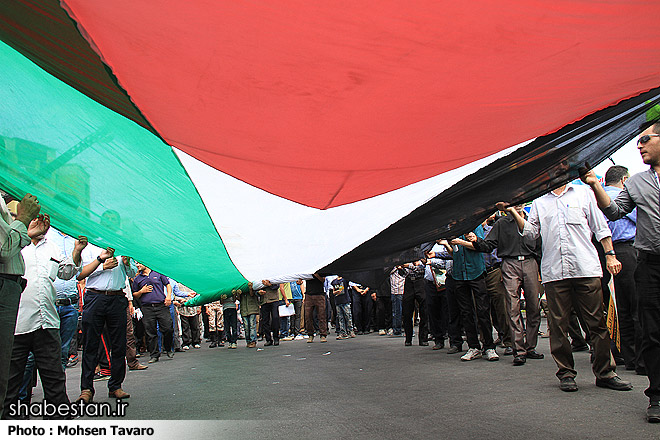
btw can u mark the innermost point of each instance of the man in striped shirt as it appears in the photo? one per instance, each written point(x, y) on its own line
point(13, 238)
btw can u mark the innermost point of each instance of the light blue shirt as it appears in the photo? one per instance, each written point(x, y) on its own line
point(296, 292)
point(625, 228)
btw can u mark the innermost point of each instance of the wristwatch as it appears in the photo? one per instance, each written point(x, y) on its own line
point(101, 260)
point(610, 252)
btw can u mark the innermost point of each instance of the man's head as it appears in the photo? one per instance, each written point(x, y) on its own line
point(141, 267)
point(616, 176)
point(649, 144)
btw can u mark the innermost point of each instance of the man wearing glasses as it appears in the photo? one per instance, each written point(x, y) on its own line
point(642, 191)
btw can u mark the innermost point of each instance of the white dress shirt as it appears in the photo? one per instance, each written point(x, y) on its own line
point(43, 263)
point(13, 237)
point(566, 223)
point(110, 279)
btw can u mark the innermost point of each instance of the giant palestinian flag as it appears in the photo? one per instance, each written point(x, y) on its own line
point(226, 141)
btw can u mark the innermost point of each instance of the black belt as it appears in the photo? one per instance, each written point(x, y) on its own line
point(648, 257)
point(520, 257)
point(624, 242)
point(493, 267)
point(107, 292)
point(14, 278)
point(18, 279)
point(65, 301)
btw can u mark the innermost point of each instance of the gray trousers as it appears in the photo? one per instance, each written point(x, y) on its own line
point(524, 275)
point(10, 295)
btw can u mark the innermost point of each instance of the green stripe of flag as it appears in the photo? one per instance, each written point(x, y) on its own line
point(99, 174)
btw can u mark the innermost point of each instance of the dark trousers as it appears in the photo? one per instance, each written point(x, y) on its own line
point(47, 348)
point(105, 351)
point(436, 304)
point(99, 310)
point(384, 312)
point(413, 292)
point(454, 310)
point(231, 325)
point(315, 303)
point(361, 307)
point(10, 295)
point(295, 319)
point(157, 316)
point(138, 333)
point(131, 345)
point(270, 321)
point(333, 311)
point(626, 305)
point(586, 296)
point(472, 297)
point(647, 280)
point(190, 330)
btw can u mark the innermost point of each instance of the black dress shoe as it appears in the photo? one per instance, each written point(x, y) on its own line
point(519, 360)
point(508, 351)
point(533, 354)
point(424, 343)
point(268, 343)
point(614, 383)
point(653, 412)
point(276, 342)
point(408, 344)
point(580, 348)
point(568, 384)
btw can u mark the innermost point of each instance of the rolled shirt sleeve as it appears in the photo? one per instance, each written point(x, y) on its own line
point(13, 238)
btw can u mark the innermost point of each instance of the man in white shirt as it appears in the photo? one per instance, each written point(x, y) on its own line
point(566, 218)
point(13, 237)
point(38, 322)
point(104, 303)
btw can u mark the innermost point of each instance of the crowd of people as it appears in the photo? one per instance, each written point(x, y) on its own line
point(472, 294)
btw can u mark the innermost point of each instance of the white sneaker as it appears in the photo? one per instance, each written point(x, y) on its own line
point(299, 337)
point(196, 346)
point(390, 332)
point(382, 332)
point(472, 354)
point(288, 338)
point(185, 347)
point(491, 355)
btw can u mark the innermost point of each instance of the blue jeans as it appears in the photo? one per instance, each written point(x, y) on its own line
point(397, 302)
point(68, 326)
point(250, 324)
point(344, 319)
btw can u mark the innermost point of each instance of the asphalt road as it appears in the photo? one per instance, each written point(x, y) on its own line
point(374, 387)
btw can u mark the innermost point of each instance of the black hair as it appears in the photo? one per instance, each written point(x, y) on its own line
point(615, 174)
